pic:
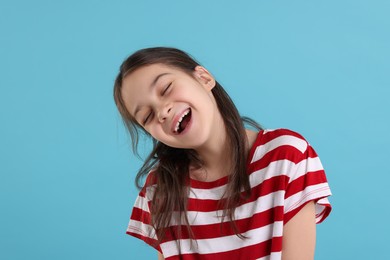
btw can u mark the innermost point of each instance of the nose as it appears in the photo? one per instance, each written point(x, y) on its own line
point(164, 112)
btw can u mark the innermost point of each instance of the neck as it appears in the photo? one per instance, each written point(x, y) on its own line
point(216, 158)
point(215, 155)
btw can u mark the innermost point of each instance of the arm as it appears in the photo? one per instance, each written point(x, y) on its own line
point(299, 235)
point(160, 256)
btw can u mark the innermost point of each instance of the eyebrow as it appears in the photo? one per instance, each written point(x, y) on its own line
point(154, 82)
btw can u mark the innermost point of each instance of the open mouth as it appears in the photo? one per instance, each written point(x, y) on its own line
point(183, 121)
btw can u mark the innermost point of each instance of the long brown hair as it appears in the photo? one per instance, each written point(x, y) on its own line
point(171, 165)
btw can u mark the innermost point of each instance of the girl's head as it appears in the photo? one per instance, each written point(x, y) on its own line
point(161, 90)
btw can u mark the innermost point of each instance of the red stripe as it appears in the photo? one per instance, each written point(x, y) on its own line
point(268, 186)
point(140, 215)
point(142, 193)
point(310, 153)
point(208, 185)
point(249, 252)
point(304, 182)
point(283, 152)
point(269, 136)
point(324, 214)
point(289, 215)
point(225, 229)
point(151, 179)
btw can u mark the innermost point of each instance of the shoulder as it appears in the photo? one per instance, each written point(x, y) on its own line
point(151, 178)
point(287, 137)
point(280, 141)
point(150, 184)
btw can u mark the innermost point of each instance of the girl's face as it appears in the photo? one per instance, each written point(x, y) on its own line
point(177, 109)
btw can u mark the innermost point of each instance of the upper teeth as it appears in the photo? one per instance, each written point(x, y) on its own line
point(181, 119)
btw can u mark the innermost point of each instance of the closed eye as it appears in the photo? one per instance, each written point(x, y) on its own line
point(148, 117)
point(166, 89)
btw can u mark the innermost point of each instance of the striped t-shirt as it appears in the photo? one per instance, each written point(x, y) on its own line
point(285, 173)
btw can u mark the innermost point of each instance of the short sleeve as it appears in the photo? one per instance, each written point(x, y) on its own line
point(140, 220)
point(307, 182)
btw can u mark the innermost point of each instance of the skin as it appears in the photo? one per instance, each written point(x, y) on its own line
point(157, 95)
point(299, 235)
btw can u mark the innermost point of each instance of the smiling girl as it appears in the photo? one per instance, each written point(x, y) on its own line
point(213, 189)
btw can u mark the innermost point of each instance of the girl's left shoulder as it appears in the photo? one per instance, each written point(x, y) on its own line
point(274, 133)
point(279, 140)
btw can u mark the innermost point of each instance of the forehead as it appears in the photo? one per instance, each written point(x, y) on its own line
point(145, 73)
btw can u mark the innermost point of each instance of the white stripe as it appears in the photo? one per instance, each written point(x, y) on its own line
point(305, 166)
point(308, 194)
point(247, 210)
point(290, 140)
point(222, 244)
point(207, 194)
point(275, 168)
point(287, 168)
point(320, 207)
point(150, 190)
point(142, 203)
point(272, 256)
point(275, 256)
point(141, 228)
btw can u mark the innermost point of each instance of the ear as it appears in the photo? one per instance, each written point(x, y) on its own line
point(204, 77)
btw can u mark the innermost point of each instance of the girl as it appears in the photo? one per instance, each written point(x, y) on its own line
point(213, 189)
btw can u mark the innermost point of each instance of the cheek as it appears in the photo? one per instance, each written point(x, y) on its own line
point(155, 132)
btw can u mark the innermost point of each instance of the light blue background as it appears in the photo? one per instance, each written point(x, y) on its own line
point(318, 67)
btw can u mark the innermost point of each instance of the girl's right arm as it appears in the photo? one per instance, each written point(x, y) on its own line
point(299, 235)
point(160, 256)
